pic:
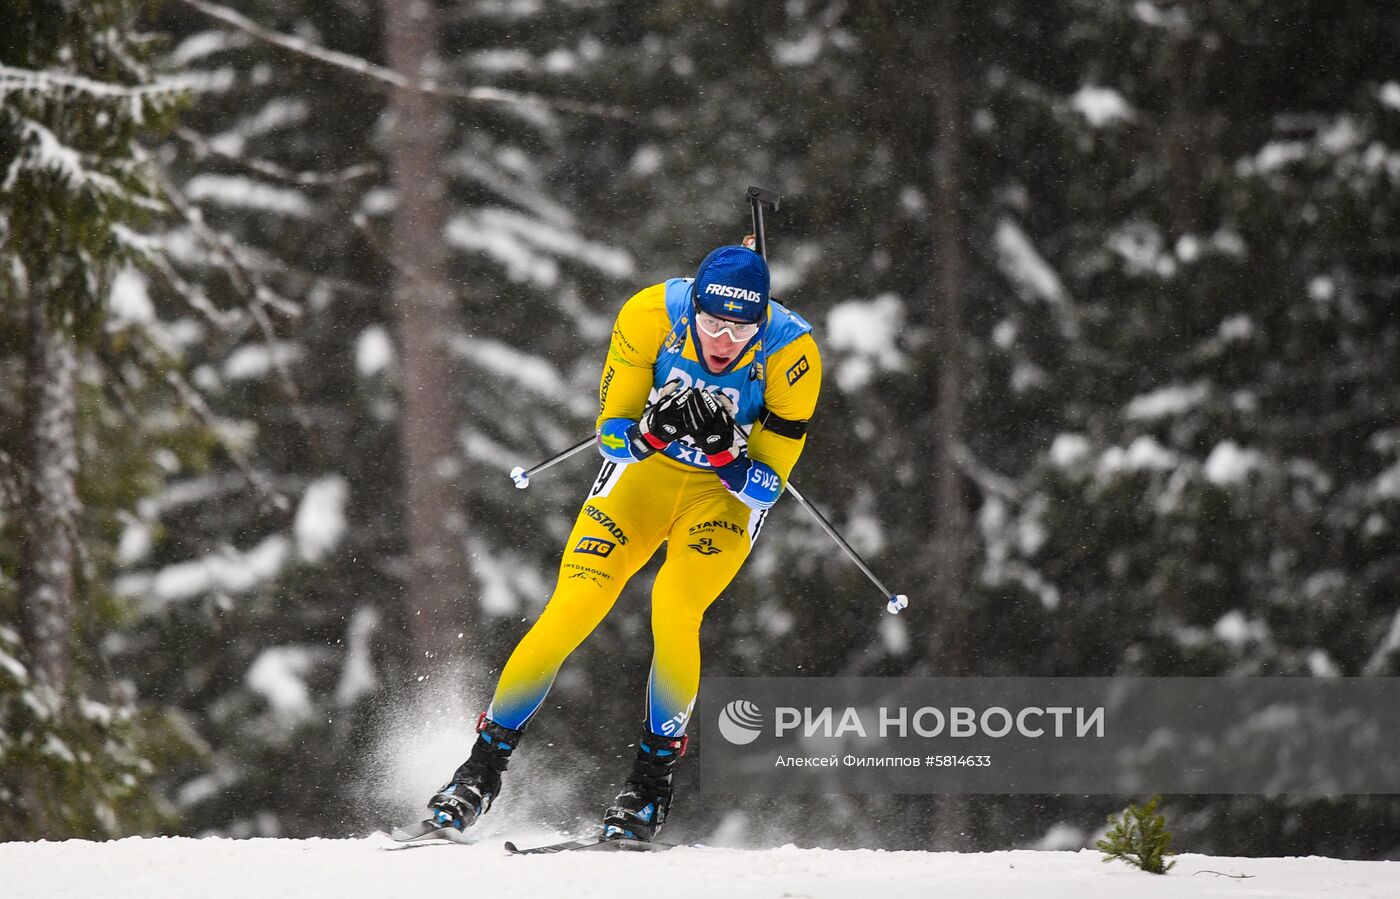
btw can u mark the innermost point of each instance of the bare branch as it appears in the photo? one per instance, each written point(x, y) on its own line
point(226, 254)
point(194, 296)
point(248, 285)
point(391, 78)
point(362, 223)
point(195, 403)
point(273, 170)
point(284, 372)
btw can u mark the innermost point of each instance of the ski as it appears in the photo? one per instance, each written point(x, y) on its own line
point(591, 844)
point(427, 832)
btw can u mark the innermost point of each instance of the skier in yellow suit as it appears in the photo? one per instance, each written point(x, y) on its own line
point(689, 360)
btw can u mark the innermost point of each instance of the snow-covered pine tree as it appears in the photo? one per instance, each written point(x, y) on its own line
point(76, 94)
point(1219, 493)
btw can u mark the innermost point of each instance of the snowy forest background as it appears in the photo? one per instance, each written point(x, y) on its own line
point(1106, 289)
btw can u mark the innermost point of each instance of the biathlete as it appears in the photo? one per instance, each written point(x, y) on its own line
point(688, 360)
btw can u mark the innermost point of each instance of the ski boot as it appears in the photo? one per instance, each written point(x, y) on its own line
point(478, 781)
point(641, 808)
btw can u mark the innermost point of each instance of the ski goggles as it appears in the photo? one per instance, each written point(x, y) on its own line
point(712, 326)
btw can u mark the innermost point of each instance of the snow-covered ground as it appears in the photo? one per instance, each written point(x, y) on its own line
point(349, 869)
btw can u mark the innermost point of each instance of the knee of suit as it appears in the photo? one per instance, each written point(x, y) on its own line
point(565, 622)
point(675, 625)
point(678, 609)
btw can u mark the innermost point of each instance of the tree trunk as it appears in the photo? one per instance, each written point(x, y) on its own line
point(427, 321)
point(48, 509)
point(949, 640)
point(950, 542)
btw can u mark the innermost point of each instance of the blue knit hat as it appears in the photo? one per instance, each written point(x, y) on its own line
point(732, 283)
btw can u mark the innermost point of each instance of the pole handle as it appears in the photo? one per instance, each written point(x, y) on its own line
point(758, 198)
point(764, 196)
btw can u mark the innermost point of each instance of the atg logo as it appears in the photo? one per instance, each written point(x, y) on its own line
point(741, 722)
point(799, 368)
point(595, 547)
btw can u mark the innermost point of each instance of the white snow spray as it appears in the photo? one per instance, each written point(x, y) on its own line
point(427, 734)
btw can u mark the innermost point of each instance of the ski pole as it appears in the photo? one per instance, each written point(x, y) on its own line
point(521, 476)
point(894, 601)
point(758, 198)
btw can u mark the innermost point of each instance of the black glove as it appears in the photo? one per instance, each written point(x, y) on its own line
point(664, 421)
point(712, 430)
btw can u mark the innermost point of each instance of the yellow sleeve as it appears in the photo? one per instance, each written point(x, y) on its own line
point(641, 326)
point(791, 384)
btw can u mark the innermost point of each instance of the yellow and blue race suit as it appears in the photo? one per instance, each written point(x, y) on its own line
point(674, 497)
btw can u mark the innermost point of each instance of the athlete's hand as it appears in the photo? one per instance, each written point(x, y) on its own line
point(712, 414)
point(664, 421)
